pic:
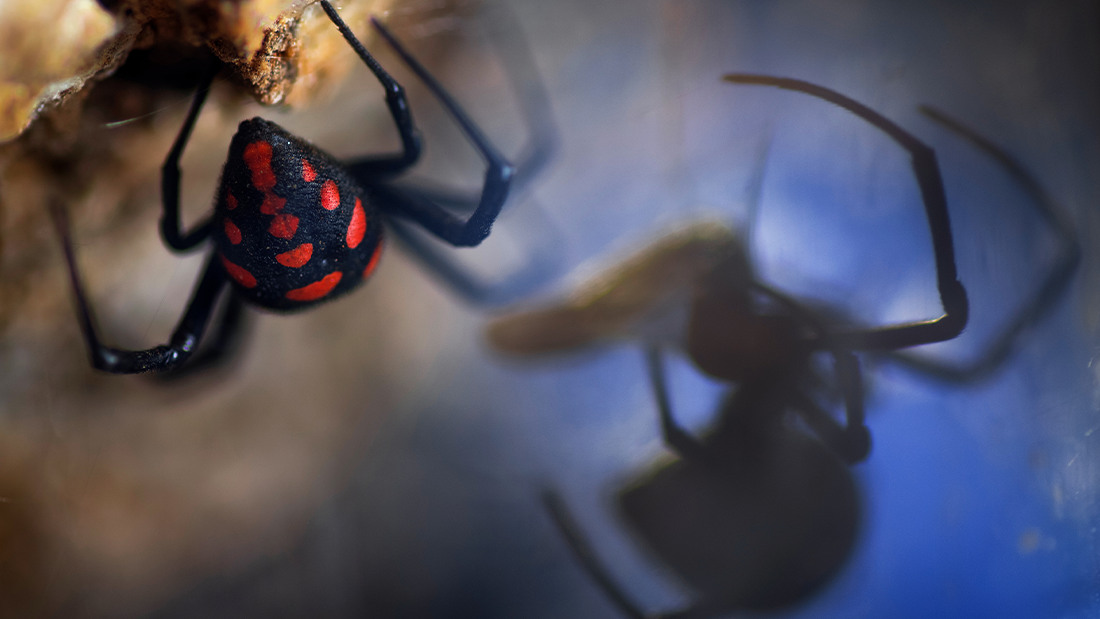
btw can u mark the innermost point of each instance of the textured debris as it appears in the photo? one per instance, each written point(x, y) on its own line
point(48, 51)
point(52, 50)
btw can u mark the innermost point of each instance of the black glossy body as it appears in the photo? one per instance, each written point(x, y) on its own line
point(766, 517)
point(289, 232)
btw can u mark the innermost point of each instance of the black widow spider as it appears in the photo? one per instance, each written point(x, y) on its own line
point(293, 227)
point(758, 514)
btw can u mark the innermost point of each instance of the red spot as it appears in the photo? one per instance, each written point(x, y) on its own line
point(283, 226)
point(272, 204)
point(316, 290)
point(258, 157)
point(232, 232)
point(330, 196)
point(373, 261)
point(297, 256)
point(239, 274)
point(308, 175)
point(358, 226)
point(230, 200)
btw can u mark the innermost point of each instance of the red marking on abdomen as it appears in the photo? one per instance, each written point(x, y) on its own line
point(257, 156)
point(330, 195)
point(308, 175)
point(283, 226)
point(316, 290)
point(358, 226)
point(232, 232)
point(297, 256)
point(230, 200)
point(239, 274)
point(272, 204)
point(373, 260)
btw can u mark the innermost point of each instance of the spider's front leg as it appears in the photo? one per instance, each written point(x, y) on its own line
point(676, 438)
point(442, 211)
point(1044, 298)
point(426, 212)
point(170, 228)
point(166, 357)
point(388, 165)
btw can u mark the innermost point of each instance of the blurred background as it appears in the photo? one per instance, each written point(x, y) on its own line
point(375, 458)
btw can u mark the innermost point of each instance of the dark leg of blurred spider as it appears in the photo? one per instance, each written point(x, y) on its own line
point(675, 437)
point(582, 549)
point(850, 441)
point(952, 294)
point(1041, 301)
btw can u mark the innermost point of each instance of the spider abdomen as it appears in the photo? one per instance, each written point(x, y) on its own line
point(292, 229)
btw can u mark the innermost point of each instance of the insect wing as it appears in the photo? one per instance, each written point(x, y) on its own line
point(627, 300)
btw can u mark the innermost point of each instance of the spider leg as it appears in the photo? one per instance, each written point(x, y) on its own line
point(540, 238)
point(221, 346)
point(584, 552)
point(506, 36)
point(676, 438)
point(428, 214)
point(184, 339)
point(170, 228)
point(852, 441)
point(389, 165)
point(756, 190)
point(1045, 296)
point(952, 292)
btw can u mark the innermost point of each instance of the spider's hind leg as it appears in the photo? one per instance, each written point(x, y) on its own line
point(184, 339)
point(223, 344)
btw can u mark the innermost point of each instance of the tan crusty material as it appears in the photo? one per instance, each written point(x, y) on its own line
point(53, 49)
point(48, 51)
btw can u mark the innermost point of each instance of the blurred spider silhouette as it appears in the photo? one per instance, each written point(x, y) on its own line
point(294, 227)
point(760, 513)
